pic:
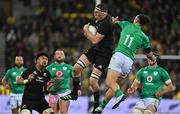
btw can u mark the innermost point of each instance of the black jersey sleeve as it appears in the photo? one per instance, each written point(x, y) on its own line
point(26, 73)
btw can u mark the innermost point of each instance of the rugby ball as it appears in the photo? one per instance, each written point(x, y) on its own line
point(92, 29)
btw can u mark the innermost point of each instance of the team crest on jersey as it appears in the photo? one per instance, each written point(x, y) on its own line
point(34, 72)
point(149, 78)
point(14, 73)
point(59, 73)
point(64, 68)
point(145, 72)
point(100, 66)
point(155, 73)
point(53, 68)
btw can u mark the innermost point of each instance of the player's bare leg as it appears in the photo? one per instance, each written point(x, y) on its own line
point(94, 79)
point(108, 95)
point(81, 64)
point(138, 111)
point(150, 109)
point(14, 110)
point(111, 82)
point(64, 105)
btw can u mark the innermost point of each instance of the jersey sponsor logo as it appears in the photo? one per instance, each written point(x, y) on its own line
point(64, 68)
point(53, 68)
point(145, 72)
point(59, 73)
point(14, 73)
point(149, 78)
point(45, 74)
point(155, 73)
point(40, 78)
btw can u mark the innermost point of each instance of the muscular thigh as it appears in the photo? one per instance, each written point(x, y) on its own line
point(64, 105)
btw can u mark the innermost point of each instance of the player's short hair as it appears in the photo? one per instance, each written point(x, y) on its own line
point(102, 7)
point(143, 19)
point(41, 54)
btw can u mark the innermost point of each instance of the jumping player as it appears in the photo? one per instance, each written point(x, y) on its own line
point(98, 55)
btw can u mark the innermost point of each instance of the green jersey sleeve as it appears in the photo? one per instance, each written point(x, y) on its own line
point(165, 76)
point(7, 75)
point(146, 42)
point(123, 24)
point(139, 75)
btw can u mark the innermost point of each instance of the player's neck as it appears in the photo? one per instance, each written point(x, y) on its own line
point(40, 68)
point(59, 62)
point(18, 67)
point(153, 65)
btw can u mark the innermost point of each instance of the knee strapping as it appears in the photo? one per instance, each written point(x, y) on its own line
point(48, 111)
point(81, 63)
point(95, 76)
point(25, 111)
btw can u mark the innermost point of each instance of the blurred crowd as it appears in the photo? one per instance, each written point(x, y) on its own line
point(52, 24)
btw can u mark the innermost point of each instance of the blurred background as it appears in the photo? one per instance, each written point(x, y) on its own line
point(30, 26)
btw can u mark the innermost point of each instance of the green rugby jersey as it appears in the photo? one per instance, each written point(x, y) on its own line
point(152, 80)
point(131, 39)
point(12, 75)
point(62, 74)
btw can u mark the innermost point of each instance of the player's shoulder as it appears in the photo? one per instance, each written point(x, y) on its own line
point(161, 68)
point(125, 22)
point(11, 69)
point(68, 65)
point(143, 69)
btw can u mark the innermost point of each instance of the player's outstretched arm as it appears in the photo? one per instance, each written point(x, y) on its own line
point(133, 87)
point(20, 80)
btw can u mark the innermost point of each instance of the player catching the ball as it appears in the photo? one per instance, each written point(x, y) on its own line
point(98, 55)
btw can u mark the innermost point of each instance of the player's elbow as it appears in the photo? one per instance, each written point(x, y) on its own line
point(171, 87)
point(95, 41)
point(3, 82)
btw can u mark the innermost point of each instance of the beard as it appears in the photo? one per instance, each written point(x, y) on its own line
point(59, 60)
point(18, 65)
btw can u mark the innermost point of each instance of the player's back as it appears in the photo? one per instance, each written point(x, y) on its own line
point(131, 39)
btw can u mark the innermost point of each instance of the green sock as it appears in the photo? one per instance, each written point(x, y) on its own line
point(103, 104)
point(118, 93)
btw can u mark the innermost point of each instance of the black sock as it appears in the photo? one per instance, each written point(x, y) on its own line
point(96, 99)
point(76, 82)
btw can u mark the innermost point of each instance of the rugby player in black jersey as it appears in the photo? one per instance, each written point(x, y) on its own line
point(35, 79)
point(98, 55)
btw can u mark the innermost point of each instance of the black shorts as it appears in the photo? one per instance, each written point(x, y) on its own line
point(37, 105)
point(100, 58)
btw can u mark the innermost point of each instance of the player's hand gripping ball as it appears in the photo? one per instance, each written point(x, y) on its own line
point(92, 29)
